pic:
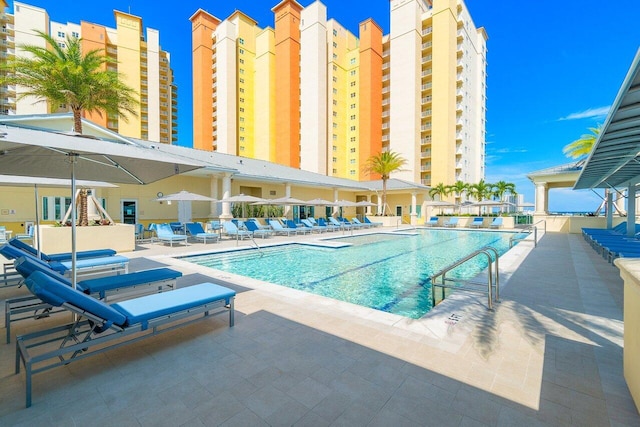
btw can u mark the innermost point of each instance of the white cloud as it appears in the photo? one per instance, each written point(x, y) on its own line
point(588, 114)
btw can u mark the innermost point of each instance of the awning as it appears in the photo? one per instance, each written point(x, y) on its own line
point(615, 158)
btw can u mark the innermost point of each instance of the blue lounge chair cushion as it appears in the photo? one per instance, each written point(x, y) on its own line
point(56, 293)
point(143, 309)
point(103, 284)
point(11, 252)
point(66, 256)
point(97, 262)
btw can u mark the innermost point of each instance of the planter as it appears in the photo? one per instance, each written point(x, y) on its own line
point(387, 221)
point(119, 237)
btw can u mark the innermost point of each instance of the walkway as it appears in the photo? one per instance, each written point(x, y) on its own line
point(551, 354)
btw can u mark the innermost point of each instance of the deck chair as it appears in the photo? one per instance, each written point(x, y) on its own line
point(28, 235)
point(314, 228)
point(165, 234)
point(84, 266)
point(195, 231)
point(231, 229)
point(477, 222)
point(359, 223)
point(16, 309)
point(330, 227)
point(338, 224)
point(432, 222)
point(279, 229)
point(299, 230)
point(453, 222)
point(373, 224)
point(255, 229)
point(496, 223)
point(100, 326)
point(65, 256)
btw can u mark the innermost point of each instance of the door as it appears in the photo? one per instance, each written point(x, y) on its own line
point(129, 211)
point(398, 210)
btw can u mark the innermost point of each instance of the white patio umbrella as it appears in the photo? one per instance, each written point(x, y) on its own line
point(365, 203)
point(290, 201)
point(491, 203)
point(241, 198)
point(319, 202)
point(39, 153)
point(184, 199)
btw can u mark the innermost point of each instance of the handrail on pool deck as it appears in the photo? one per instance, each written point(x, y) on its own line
point(493, 279)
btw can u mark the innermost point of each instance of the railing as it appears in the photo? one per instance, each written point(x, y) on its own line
point(493, 278)
point(530, 229)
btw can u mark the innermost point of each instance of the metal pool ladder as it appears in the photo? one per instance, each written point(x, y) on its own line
point(491, 288)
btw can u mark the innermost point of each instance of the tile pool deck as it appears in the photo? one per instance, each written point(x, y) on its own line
point(550, 354)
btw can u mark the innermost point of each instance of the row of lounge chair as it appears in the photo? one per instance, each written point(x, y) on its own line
point(614, 243)
point(99, 325)
point(478, 222)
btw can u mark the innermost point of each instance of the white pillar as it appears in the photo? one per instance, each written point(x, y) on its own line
point(414, 214)
point(336, 209)
point(541, 199)
point(226, 193)
point(287, 193)
point(368, 209)
point(214, 208)
point(631, 210)
point(609, 210)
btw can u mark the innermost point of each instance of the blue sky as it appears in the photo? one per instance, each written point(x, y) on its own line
point(554, 67)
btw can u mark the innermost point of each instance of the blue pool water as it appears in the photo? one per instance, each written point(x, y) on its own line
point(385, 271)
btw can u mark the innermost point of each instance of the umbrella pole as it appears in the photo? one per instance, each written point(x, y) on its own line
point(73, 220)
point(37, 230)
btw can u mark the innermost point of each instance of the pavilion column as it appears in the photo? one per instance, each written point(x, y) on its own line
point(213, 193)
point(414, 205)
point(609, 210)
point(287, 193)
point(631, 210)
point(368, 209)
point(335, 199)
point(226, 193)
point(541, 202)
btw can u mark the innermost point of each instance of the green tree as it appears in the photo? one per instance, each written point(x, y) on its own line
point(458, 189)
point(384, 164)
point(439, 190)
point(67, 76)
point(582, 147)
point(481, 190)
point(501, 188)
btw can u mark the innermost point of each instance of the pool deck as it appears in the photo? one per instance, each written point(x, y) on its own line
point(550, 354)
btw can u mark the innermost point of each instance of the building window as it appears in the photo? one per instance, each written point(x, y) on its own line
point(241, 109)
point(335, 45)
point(241, 90)
point(352, 106)
point(335, 33)
point(241, 99)
point(335, 114)
point(335, 170)
point(335, 67)
point(62, 45)
point(353, 117)
point(241, 40)
point(241, 70)
point(241, 80)
point(75, 34)
point(242, 119)
point(353, 94)
point(335, 102)
point(60, 34)
point(54, 208)
point(352, 172)
point(352, 72)
point(353, 150)
point(335, 79)
point(352, 161)
point(334, 148)
point(353, 139)
point(335, 125)
point(241, 51)
point(352, 128)
point(241, 61)
point(352, 61)
point(335, 56)
point(335, 91)
point(335, 137)
point(241, 129)
point(353, 83)
point(242, 139)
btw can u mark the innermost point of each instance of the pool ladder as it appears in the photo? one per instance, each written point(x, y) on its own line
point(491, 288)
point(530, 229)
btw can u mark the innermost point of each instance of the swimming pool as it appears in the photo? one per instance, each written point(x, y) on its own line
point(385, 271)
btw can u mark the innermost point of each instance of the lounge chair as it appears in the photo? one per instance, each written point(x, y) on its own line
point(102, 326)
point(165, 234)
point(26, 236)
point(357, 222)
point(348, 223)
point(330, 227)
point(310, 226)
point(231, 229)
point(496, 223)
point(139, 231)
point(195, 231)
point(84, 266)
point(299, 230)
point(453, 222)
point(279, 229)
point(256, 231)
point(432, 222)
point(477, 222)
point(60, 257)
point(15, 308)
point(337, 223)
point(373, 224)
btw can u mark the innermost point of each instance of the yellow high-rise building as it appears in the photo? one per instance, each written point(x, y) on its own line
point(144, 65)
point(310, 94)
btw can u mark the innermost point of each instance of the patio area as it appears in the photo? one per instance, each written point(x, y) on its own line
point(551, 354)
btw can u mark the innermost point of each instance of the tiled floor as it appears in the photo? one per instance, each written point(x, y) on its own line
point(550, 354)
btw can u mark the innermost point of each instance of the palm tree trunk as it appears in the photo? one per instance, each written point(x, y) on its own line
point(83, 219)
point(77, 120)
point(384, 196)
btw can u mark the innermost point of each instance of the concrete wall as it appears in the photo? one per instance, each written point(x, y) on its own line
point(574, 224)
point(119, 237)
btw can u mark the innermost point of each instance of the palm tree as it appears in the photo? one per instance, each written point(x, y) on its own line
point(439, 190)
point(458, 188)
point(67, 76)
point(481, 190)
point(582, 147)
point(501, 188)
point(384, 164)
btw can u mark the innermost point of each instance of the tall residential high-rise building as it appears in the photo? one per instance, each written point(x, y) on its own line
point(308, 93)
point(143, 65)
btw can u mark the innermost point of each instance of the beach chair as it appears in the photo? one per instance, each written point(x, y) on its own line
point(432, 222)
point(310, 226)
point(165, 234)
point(65, 256)
point(139, 231)
point(359, 223)
point(255, 230)
point(452, 223)
point(330, 227)
point(477, 222)
point(299, 229)
point(195, 231)
point(373, 224)
point(231, 229)
point(16, 309)
point(279, 229)
point(84, 266)
point(496, 223)
point(26, 236)
point(100, 326)
point(338, 224)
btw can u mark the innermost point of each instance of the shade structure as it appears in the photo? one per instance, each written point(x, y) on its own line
point(185, 196)
point(491, 203)
point(39, 153)
point(365, 203)
point(439, 203)
point(319, 202)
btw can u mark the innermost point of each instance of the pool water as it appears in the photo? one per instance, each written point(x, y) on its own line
point(385, 271)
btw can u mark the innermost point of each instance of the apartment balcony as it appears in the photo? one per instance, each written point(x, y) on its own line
point(385, 101)
point(143, 54)
point(112, 50)
point(427, 31)
point(427, 72)
point(385, 65)
point(385, 126)
point(385, 114)
point(426, 167)
point(426, 86)
point(427, 58)
point(426, 99)
point(385, 89)
point(386, 77)
point(425, 127)
point(426, 181)
point(426, 113)
point(427, 45)
point(385, 138)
